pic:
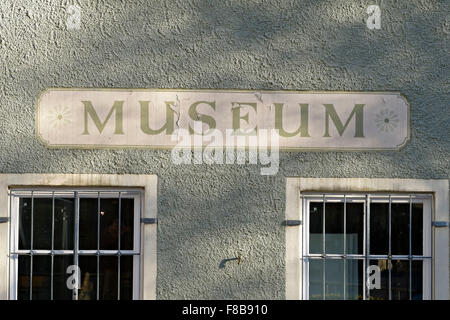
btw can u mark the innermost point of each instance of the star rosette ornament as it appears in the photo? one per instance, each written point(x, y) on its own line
point(59, 117)
point(386, 120)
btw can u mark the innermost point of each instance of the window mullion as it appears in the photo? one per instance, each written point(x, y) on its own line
point(31, 246)
point(345, 244)
point(119, 253)
point(367, 254)
point(410, 247)
point(11, 240)
point(390, 248)
point(98, 246)
point(53, 246)
point(430, 248)
point(76, 246)
point(323, 248)
point(305, 249)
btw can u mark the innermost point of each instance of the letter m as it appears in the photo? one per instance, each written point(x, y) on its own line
point(89, 111)
point(357, 111)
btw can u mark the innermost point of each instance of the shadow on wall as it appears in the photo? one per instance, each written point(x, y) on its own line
point(301, 45)
point(297, 45)
point(224, 261)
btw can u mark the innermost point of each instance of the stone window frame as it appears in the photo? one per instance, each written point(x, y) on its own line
point(149, 184)
point(439, 188)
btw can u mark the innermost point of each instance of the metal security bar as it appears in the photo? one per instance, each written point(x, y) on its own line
point(366, 256)
point(53, 245)
point(410, 247)
point(76, 243)
point(390, 247)
point(31, 246)
point(324, 248)
point(98, 246)
point(119, 252)
point(345, 245)
point(76, 194)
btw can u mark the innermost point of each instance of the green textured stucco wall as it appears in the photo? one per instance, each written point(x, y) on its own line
point(210, 213)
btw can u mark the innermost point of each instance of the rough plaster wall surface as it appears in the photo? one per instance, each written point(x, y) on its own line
point(211, 213)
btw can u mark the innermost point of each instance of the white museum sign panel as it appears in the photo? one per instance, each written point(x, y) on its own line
point(152, 118)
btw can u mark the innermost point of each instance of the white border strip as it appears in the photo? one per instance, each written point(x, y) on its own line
point(439, 188)
point(149, 210)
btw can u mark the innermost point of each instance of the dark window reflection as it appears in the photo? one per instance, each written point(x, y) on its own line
point(400, 280)
point(109, 226)
point(354, 279)
point(42, 223)
point(355, 228)
point(379, 228)
point(108, 278)
point(126, 277)
point(334, 279)
point(64, 218)
point(400, 228)
point(88, 281)
point(334, 228)
point(60, 276)
point(315, 227)
point(88, 223)
point(316, 279)
point(41, 277)
point(24, 223)
point(417, 229)
point(417, 280)
point(23, 279)
point(127, 224)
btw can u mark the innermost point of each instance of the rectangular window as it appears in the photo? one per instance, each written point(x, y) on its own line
point(58, 234)
point(367, 246)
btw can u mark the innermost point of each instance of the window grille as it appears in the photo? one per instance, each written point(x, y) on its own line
point(53, 232)
point(347, 233)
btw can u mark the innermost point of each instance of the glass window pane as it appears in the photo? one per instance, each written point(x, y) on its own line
point(400, 280)
point(316, 279)
point(417, 280)
point(23, 278)
point(354, 277)
point(334, 227)
point(334, 279)
point(64, 213)
point(41, 277)
point(126, 277)
point(400, 228)
point(88, 281)
point(379, 280)
point(109, 224)
point(108, 277)
point(42, 220)
point(88, 223)
point(127, 224)
point(379, 228)
point(417, 229)
point(355, 228)
point(315, 227)
point(64, 218)
point(60, 276)
point(24, 223)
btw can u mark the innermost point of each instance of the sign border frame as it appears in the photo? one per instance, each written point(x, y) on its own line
point(399, 147)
